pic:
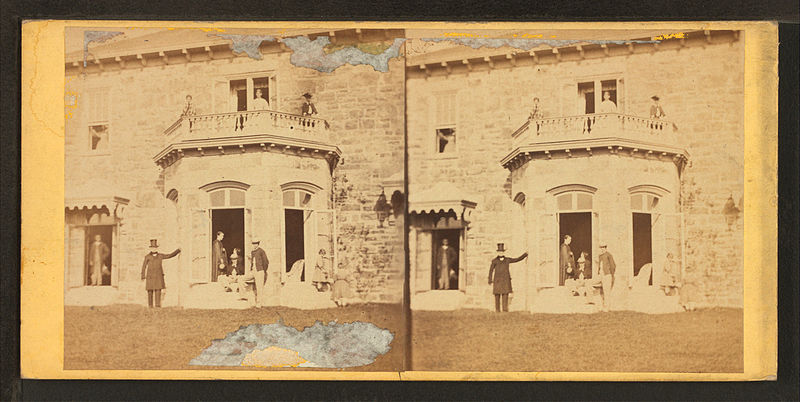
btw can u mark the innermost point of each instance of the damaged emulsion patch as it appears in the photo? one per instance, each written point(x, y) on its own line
point(526, 44)
point(277, 345)
point(248, 44)
point(96, 36)
point(317, 54)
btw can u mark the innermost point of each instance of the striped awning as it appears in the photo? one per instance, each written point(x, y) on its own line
point(441, 198)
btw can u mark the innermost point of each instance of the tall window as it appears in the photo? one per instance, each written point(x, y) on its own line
point(252, 93)
point(599, 96)
point(445, 123)
point(97, 116)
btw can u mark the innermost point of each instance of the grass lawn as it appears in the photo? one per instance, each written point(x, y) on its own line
point(134, 337)
point(471, 340)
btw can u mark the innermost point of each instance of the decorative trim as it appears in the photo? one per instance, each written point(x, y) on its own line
point(649, 189)
point(572, 188)
point(301, 185)
point(224, 184)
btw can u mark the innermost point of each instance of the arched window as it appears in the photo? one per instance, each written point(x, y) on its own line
point(573, 197)
point(226, 193)
point(645, 198)
point(297, 199)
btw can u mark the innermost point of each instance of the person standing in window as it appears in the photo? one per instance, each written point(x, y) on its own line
point(446, 139)
point(607, 105)
point(308, 108)
point(98, 253)
point(500, 277)
point(259, 103)
point(153, 273)
point(605, 269)
point(219, 257)
point(656, 112)
point(446, 259)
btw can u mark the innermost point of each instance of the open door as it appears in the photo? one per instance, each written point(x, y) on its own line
point(200, 246)
point(659, 248)
point(462, 264)
point(547, 245)
point(324, 229)
point(673, 239)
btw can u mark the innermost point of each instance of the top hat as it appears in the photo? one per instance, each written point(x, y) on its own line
point(153, 243)
point(501, 247)
point(654, 97)
point(307, 95)
point(255, 240)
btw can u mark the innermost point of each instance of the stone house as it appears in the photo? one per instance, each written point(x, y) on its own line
point(137, 169)
point(484, 169)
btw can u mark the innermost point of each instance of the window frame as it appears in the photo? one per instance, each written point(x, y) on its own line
point(449, 122)
point(93, 118)
point(272, 95)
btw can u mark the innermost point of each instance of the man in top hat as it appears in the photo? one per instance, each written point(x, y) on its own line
point(656, 112)
point(153, 273)
point(445, 261)
point(258, 267)
point(308, 108)
point(98, 254)
point(500, 276)
point(606, 268)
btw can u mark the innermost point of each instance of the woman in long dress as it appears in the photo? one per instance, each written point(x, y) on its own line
point(341, 288)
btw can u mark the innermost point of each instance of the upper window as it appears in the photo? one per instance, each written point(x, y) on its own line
point(97, 117)
point(599, 96)
point(252, 93)
point(445, 126)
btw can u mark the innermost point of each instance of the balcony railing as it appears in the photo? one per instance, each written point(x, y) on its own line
point(591, 126)
point(221, 125)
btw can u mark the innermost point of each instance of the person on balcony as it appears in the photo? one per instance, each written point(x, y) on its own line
point(259, 103)
point(500, 277)
point(536, 110)
point(607, 105)
point(656, 112)
point(308, 108)
point(188, 107)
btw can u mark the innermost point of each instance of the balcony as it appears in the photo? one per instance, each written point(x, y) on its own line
point(602, 132)
point(266, 130)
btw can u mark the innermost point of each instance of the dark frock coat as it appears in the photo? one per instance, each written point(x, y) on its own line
point(152, 270)
point(502, 277)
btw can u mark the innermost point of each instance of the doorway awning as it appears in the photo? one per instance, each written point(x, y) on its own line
point(96, 196)
point(441, 198)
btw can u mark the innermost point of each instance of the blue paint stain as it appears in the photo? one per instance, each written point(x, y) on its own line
point(248, 44)
point(96, 36)
point(310, 54)
point(332, 346)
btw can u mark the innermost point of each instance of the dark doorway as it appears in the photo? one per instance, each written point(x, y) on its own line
point(105, 233)
point(295, 238)
point(453, 237)
point(579, 226)
point(231, 223)
point(642, 243)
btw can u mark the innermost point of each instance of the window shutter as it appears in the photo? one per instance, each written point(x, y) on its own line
point(424, 261)
point(201, 246)
point(548, 245)
point(77, 256)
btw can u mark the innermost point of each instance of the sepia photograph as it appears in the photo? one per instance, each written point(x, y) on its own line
point(223, 180)
point(399, 201)
point(575, 204)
